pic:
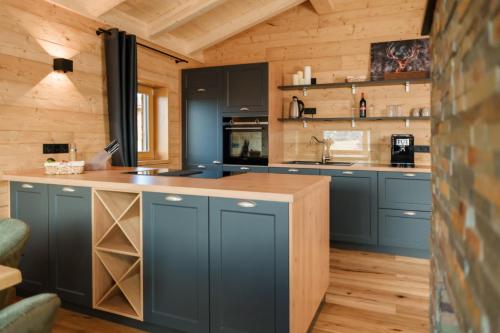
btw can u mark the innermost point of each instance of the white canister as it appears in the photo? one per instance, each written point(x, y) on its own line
point(302, 81)
point(300, 74)
point(295, 79)
point(307, 74)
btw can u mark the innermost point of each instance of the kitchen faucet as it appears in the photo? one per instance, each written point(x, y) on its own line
point(325, 156)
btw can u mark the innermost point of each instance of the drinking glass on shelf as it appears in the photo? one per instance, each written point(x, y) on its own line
point(399, 110)
point(391, 110)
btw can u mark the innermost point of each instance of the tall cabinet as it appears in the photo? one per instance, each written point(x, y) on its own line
point(208, 95)
point(202, 118)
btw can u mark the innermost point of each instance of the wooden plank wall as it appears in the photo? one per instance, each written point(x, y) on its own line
point(333, 44)
point(38, 106)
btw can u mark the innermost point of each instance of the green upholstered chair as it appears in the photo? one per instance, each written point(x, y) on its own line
point(13, 236)
point(35, 314)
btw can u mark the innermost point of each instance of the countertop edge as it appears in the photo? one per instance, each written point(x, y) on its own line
point(122, 186)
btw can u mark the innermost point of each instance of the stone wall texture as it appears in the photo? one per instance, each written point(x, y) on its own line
point(465, 237)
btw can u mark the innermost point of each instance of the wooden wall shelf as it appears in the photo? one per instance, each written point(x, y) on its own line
point(355, 119)
point(117, 253)
point(357, 84)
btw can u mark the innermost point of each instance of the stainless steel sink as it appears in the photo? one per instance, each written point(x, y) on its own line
point(321, 163)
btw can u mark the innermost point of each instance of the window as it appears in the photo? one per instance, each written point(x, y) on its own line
point(145, 123)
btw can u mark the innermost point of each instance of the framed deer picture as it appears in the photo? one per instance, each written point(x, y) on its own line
point(403, 59)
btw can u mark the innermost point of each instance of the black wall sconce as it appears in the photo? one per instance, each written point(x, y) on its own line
point(63, 65)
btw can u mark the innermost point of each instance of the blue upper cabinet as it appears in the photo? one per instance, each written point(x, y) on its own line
point(246, 89)
point(176, 275)
point(202, 83)
point(405, 190)
point(29, 202)
point(249, 266)
point(353, 206)
point(70, 245)
point(202, 120)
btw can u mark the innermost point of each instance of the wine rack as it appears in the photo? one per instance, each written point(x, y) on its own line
point(117, 253)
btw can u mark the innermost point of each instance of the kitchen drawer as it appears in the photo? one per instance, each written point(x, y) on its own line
point(404, 190)
point(404, 228)
point(293, 170)
point(246, 168)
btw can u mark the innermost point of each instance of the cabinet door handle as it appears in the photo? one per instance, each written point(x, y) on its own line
point(244, 109)
point(68, 189)
point(293, 170)
point(410, 213)
point(244, 168)
point(201, 90)
point(247, 204)
point(409, 175)
point(27, 186)
point(201, 166)
point(347, 172)
point(173, 198)
point(216, 162)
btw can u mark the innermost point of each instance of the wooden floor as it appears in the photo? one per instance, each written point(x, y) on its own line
point(368, 292)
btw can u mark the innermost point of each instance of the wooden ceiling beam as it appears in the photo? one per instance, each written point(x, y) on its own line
point(322, 6)
point(88, 8)
point(99, 7)
point(241, 23)
point(181, 15)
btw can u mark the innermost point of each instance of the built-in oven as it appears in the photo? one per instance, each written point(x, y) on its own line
point(245, 140)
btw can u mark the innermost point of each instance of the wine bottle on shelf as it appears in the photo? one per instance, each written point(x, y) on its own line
point(362, 106)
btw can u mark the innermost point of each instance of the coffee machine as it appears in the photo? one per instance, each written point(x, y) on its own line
point(403, 150)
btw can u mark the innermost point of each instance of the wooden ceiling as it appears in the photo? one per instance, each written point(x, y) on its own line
point(185, 26)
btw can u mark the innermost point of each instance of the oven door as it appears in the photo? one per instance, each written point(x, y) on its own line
point(245, 143)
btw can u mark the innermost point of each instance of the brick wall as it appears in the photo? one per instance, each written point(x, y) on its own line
point(466, 166)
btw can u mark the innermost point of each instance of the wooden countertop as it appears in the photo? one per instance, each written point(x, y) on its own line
point(356, 167)
point(251, 186)
point(9, 277)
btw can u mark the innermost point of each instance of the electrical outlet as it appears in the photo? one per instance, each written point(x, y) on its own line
point(55, 148)
point(422, 149)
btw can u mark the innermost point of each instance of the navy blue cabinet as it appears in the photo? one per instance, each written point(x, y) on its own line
point(405, 190)
point(70, 243)
point(202, 120)
point(176, 276)
point(404, 229)
point(57, 257)
point(353, 206)
point(294, 171)
point(249, 289)
point(29, 202)
point(246, 168)
point(246, 89)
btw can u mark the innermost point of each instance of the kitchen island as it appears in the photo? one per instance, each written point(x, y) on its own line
point(246, 253)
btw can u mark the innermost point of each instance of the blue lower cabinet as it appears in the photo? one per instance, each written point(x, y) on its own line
point(70, 243)
point(176, 274)
point(405, 190)
point(249, 289)
point(353, 206)
point(246, 168)
point(404, 229)
point(294, 171)
point(29, 202)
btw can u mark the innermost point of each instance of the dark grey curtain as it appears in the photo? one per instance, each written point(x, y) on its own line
point(121, 74)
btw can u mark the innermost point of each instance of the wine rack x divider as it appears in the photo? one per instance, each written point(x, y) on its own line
point(117, 253)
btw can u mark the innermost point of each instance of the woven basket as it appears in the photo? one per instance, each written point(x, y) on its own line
point(64, 168)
